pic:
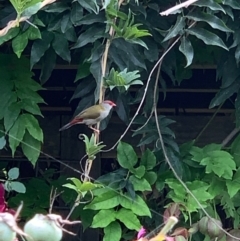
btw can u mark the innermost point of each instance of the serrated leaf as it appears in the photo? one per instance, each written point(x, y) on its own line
point(211, 19)
point(31, 148)
point(178, 27)
point(233, 186)
point(187, 49)
point(126, 155)
point(219, 162)
point(112, 232)
point(207, 37)
point(129, 219)
point(103, 218)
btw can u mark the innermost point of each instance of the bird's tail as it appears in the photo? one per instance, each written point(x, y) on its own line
point(70, 124)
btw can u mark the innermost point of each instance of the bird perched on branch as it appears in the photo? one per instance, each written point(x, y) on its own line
point(91, 115)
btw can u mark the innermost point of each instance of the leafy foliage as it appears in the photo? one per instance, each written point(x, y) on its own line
point(134, 35)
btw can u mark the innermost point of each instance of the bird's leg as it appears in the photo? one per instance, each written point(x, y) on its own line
point(95, 130)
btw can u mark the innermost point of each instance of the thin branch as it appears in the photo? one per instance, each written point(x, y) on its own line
point(179, 6)
point(209, 122)
point(144, 95)
point(230, 136)
point(16, 22)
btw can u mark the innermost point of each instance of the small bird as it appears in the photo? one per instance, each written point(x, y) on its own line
point(91, 115)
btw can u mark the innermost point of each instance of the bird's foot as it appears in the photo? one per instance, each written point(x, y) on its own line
point(95, 130)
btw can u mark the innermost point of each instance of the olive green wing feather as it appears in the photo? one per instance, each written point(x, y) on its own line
point(92, 112)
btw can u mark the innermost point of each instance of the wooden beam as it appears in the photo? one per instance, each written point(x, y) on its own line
point(170, 90)
point(75, 66)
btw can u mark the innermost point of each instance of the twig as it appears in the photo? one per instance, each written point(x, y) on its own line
point(144, 95)
point(230, 136)
point(181, 5)
point(14, 23)
point(180, 180)
point(209, 122)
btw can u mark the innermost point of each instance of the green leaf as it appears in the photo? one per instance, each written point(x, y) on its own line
point(90, 5)
point(224, 94)
point(103, 218)
point(87, 186)
point(32, 125)
point(140, 184)
point(33, 33)
point(65, 23)
point(112, 232)
point(19, 44)
point(48, 63)
point(105, 201)
point(60, 45)
point(71, 186)
point(210, 4)
point(151, 177)
point(232, 3)
point(11, 115)
point(126, 155)
point(139, 171)
point(83, 71)
point(89, 36)
point(235, 150)
point(148, 160)
point(178, 27)
point(129, 219)
point(10, 34)
point(13, 173)
point(31, 148)
point(233, 185)
point(40, 46)
point(237, 111)
point(76, 13)
point(31, 107)
point(2, 142)
point(18, 187)
point(207, 37)
point(219, 162)
point(180, 195)
point(187, 49)
point(138, 206)
point(211, 19)
point(16, 133)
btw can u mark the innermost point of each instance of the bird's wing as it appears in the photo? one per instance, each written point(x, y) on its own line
point(92, 112)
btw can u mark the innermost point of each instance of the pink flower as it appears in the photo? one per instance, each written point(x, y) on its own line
point(141, 233)
point(3, 204)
